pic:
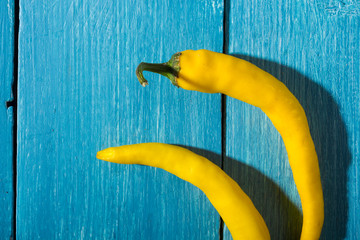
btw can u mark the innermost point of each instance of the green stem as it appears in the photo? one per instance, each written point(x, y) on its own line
point(169, 69)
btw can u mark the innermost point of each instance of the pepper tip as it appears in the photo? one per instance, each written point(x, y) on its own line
point(106, 154)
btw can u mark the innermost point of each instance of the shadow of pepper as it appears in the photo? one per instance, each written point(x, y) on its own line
point(330, 138)
point(281, 216)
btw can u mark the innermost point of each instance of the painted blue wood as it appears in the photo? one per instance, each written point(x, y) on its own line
point(6, 118)
point(313, 47)
point(78, 93)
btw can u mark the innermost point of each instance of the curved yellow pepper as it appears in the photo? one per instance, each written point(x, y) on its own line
point(210, 72)
point(233, 205)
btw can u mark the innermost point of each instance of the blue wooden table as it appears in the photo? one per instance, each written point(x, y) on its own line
point(68, 89)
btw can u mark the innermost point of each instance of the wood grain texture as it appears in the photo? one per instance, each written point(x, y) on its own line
point(78, 93)
point(313, 47)
point(6, 118)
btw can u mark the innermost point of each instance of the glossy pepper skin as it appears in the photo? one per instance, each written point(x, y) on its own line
point(211, 72)
point(233, 205)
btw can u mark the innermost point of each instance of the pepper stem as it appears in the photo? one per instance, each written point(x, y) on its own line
point(169, 69)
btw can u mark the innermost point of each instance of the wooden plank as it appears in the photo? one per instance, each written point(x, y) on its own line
point(78, 93)
point(6, 118)
point(313, 47)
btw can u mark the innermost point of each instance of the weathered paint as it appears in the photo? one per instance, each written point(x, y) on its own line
point(78, 93)
point(313, 47)
point(6, 118)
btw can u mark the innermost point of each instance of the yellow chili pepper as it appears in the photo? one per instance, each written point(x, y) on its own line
point(233, 205)
point(210, 72)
